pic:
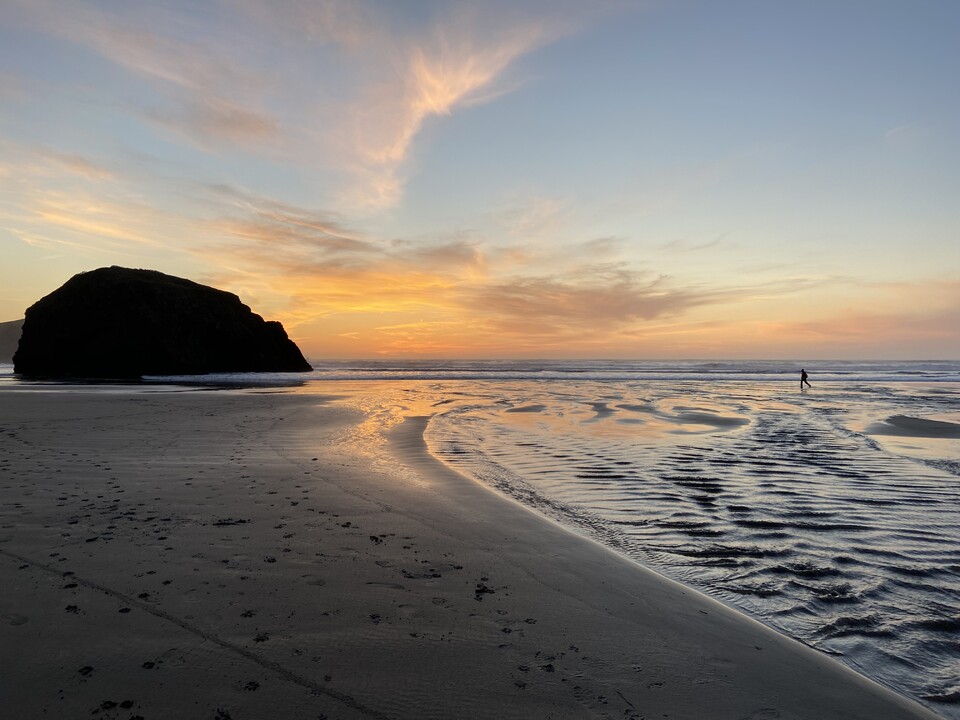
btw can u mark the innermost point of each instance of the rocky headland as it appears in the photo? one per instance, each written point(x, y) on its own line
point(121, 323)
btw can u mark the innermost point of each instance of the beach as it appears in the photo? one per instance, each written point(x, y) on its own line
point(253, 553)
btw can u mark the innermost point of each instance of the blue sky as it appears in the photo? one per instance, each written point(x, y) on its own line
point(548, 179)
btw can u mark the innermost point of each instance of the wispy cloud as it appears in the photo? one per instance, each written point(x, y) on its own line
point(359, 82)
point(342, 291)
point(75, 163)
point(75, 205)
point(461, 61)
point(210, 92)
point(448, 295)
point(534, 218)
point(586, 298)
point(79, 219)
point(213, 121)
point(265, 220)
point(38, 163)
point(687, 246)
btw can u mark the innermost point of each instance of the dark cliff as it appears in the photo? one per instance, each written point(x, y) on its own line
point(120, 323)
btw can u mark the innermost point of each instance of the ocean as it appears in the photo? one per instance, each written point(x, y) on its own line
point(831, 514)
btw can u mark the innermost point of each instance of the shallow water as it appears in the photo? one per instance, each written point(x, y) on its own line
point(831, 514)
point(774, 501)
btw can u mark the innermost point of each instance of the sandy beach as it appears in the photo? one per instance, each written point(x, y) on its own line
point(235, 554)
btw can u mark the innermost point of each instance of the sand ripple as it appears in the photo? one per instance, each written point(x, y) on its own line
point(775, 503)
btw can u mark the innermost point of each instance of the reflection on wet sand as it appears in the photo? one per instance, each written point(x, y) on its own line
point(777, 504)
point(906, 426)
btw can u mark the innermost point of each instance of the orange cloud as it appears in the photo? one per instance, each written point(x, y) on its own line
point(71, 206)
point(437, 298)
point(344, 293)
point(86, 221)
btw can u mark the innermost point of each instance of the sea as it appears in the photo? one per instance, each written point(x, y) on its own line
point(830, 513)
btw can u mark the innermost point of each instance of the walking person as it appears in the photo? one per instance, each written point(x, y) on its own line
point(803, 378)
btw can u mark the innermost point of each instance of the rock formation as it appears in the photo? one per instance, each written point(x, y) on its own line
point(120, 323)
point(9, 337)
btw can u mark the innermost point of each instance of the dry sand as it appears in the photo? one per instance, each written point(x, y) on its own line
point(233, 555)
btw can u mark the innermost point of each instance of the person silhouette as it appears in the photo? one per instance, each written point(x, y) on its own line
point(803, 378)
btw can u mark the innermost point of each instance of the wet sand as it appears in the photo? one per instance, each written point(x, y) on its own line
point(233, 555)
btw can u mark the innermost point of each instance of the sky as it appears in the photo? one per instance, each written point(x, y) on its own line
point(501, 179)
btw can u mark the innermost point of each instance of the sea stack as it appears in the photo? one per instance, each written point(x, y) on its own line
point(121, 323)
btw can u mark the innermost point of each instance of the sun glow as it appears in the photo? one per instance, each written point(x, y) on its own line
point(530, 180)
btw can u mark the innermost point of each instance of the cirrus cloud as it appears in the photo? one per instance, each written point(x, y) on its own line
point(214, 78)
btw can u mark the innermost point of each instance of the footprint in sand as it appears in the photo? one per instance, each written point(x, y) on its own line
point(392, 586)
